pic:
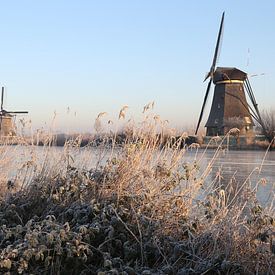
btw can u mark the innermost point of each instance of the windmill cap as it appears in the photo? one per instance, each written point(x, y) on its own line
point(228, 73)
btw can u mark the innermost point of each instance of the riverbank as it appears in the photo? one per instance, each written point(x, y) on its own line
point(257, 142)
point(232, 142)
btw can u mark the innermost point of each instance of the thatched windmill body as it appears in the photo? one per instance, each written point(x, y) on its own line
point(6, 119)
point(230, 108)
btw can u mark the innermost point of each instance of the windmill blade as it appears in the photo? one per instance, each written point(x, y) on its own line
point(17, 112)
point(217, 50)
point(0, 124)
point(2, 98)
point(203, 105)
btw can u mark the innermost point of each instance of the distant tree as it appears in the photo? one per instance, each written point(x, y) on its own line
point(234, 122)
point(268, 124)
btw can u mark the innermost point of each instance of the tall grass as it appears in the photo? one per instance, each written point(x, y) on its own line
point(139, 208)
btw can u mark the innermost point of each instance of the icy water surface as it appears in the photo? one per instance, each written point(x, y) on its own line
point(230, 165)
point(239, 166)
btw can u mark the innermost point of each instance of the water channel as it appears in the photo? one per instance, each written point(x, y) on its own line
point(255, 166)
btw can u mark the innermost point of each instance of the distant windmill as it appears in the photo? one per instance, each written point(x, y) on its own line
point(229, 108)
point(6, 125)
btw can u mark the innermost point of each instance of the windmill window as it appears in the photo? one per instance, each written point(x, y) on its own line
point(216, 121)
point(219, 106)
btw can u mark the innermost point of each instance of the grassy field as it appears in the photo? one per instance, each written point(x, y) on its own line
point(136, 211)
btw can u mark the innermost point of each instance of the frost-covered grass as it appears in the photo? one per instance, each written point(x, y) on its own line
point(135, 210)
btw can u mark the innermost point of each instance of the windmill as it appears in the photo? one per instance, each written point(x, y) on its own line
point(6, 125)
point(229, 107)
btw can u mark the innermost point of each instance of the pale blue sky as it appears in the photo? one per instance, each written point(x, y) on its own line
point(96, 56)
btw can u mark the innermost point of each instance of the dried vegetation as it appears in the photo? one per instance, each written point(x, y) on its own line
point(139, 209)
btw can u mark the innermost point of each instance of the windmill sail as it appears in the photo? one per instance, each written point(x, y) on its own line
point(211, 72)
